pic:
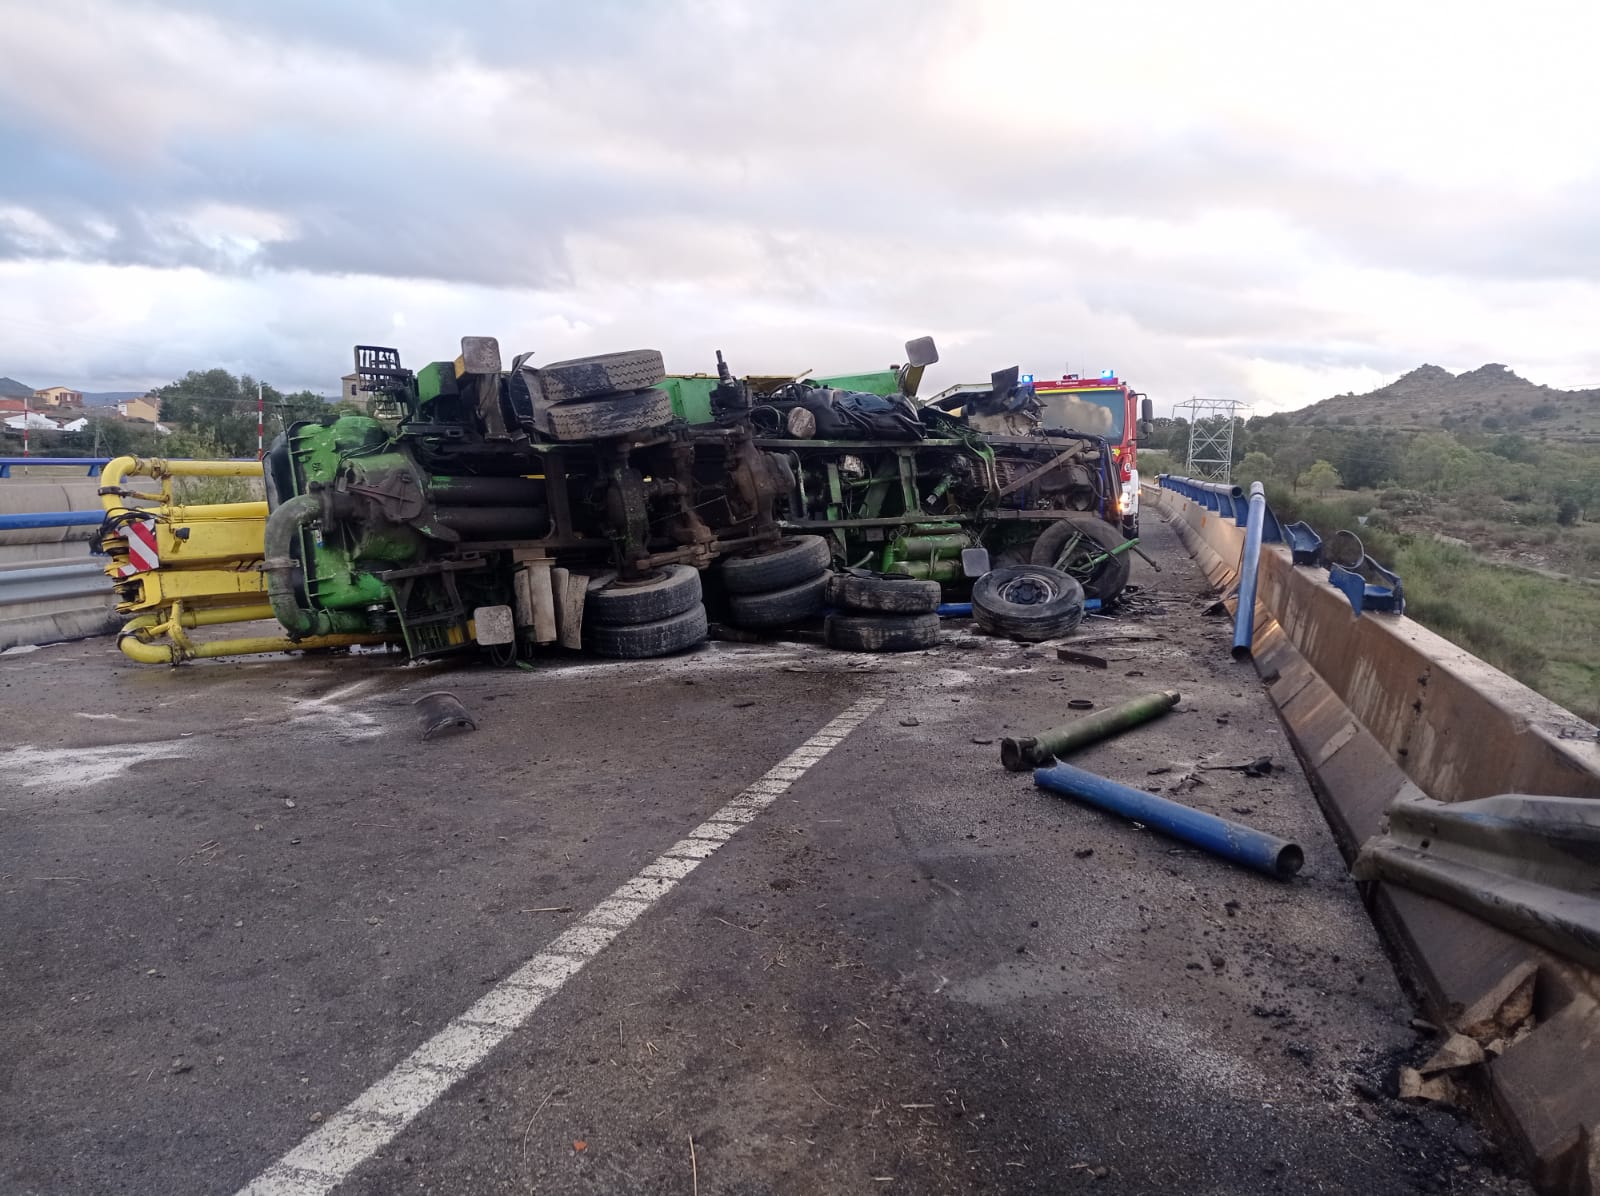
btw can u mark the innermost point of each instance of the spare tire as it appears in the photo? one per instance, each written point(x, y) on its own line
point(779, 608)
point(619, 415)
point(793, 561)
point(881, 633)
point(891, 595)
point(638, 641)
point(1082, 538)
point(605, 374)
point(664, 593)
point(1027, 602)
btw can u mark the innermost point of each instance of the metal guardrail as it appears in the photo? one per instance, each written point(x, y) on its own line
point(1223, 498)
point(93, 464)
point(1366, 583)
point(53, 582)
point(29, 520)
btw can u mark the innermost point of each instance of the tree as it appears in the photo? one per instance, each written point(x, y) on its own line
point(1293, 459)
point(1256, 467)
point(1366, 459)
point(217, 406)
point(1321, 477)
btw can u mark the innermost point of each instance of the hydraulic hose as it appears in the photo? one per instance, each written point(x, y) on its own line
point(282, 527)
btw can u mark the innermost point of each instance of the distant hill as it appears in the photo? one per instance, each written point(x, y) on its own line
point(10, 388)
point(1490, 398)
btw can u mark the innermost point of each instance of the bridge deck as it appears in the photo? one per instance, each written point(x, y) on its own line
point(235, 896)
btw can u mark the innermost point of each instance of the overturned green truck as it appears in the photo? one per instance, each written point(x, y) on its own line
point(600, 503)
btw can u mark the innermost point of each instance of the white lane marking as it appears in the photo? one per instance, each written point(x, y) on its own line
point(325, 1158)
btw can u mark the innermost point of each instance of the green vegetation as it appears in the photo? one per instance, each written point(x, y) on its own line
point(1479, 527)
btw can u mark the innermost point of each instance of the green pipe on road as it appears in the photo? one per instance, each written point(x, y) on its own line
point(1019, 755)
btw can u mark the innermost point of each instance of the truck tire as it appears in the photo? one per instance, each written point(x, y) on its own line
point(779, 608)
point(881, 633)
point(1094, 536)
point(889, 595)
point(639, 641)
point(606, 374)
point(618, 415)
point(1027, 602)
point(795, 560)
point(666, 592)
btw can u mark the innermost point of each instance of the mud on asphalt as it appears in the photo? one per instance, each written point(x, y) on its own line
point(235, 894)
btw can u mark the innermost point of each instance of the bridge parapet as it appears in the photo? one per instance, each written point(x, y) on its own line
point(1382, 712)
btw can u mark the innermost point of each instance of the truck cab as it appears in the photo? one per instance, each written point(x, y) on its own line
point(1102, 406)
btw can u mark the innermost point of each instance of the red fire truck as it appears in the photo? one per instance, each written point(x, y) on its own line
point(1103, 406)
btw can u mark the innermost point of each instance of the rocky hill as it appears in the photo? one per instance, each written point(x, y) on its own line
point(1490, 398)
point(10, 388)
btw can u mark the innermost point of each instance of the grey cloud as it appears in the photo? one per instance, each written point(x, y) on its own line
point(674, 111)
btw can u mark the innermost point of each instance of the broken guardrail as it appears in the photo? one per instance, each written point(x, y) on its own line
point(1530, 865)
point(1365, 583)
point(1244, 619)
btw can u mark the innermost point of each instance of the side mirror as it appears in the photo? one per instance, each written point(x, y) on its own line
point(922, 352)
point(1147, 410)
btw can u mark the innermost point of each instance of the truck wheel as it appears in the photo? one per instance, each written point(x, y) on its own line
point(881, 633)
point(1027, 602)
point(794, 560)
point(891, 595)
point(606, 374)
point(598, 419)
point(1070, 544)
point(664, 593)
point(778, 608)
point(638, 641)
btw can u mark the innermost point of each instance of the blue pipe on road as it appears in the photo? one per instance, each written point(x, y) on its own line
point(1231, 840)
point(1244, 619)
point(32, 519)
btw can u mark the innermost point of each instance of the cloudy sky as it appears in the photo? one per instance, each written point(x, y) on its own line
point(1264, 201)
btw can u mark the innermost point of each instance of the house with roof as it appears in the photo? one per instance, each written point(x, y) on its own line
point(57, 396)
point(147, 408)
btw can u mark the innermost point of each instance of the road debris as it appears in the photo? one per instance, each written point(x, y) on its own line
point(1018, 755)
point(1070, 656)
point(1229, 840)
point(1457, 1051)
point(1413, 1086)
point(441, 713)
point(1259, 767)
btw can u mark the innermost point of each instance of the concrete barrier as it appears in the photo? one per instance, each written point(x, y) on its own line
point(25, 495)
point(1378, 708)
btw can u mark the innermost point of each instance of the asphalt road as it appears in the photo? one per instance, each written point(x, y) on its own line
point(235, 896)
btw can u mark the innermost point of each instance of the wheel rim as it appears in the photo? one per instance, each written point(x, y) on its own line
point(1029, 591)
point(1082, 559)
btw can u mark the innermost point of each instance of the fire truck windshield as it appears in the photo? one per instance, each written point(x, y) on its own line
point(1099, 412)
